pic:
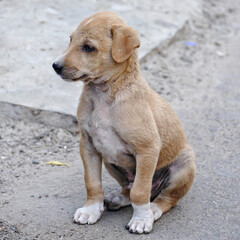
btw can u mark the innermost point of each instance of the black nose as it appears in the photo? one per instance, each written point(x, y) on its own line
point(57, 67)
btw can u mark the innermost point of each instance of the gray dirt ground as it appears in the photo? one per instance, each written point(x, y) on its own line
point(37, 201)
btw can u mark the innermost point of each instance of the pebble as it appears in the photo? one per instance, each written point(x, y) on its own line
point(145, 67)
point(186, 59)
point(51, 11)
point(36, 112)
point(35, 161)
point(15, 229)
point(165, 76)
point(220, 54)
point(217, 43)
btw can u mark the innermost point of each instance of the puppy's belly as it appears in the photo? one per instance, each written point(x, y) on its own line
point(161, 178)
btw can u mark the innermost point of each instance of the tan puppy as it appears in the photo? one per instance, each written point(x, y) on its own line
point(124, 124)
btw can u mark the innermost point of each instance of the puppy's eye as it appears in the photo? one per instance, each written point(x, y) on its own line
point(87, 48)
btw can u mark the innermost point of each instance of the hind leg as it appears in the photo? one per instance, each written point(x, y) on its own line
point(116, 200)
point(182, 173)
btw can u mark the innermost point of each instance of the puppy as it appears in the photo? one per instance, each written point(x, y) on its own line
point(124, 124)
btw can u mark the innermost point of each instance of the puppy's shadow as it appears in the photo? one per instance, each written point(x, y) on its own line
point(117, 217)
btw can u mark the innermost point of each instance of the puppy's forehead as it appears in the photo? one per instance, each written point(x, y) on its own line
point(101, 20)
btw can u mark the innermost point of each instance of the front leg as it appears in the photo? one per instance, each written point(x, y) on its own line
point(93, 208)
point(143, 218)
point(138, 128)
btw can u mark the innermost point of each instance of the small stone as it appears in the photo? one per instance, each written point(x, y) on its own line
point(165, 76)
point(220, 15)
point(186, 59)
point(220, 54)
point(145, 68)
point(15, 229)
point(1, 220)
point(217, 43)
point(51, 11)
point(39, 137)
point(3, 191)
point(35, 161)
point(36, 112)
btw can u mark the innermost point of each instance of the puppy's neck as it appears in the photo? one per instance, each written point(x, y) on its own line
point(126, 77)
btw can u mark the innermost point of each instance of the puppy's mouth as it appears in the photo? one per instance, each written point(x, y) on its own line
point(83, 77)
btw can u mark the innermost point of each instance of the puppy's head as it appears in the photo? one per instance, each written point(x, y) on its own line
point(98, 47)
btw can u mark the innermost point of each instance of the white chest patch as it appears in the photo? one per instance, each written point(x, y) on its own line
point(104, 137)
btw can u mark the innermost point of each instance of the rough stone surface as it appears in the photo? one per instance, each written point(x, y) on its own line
point(34, 33)
point(38, 201)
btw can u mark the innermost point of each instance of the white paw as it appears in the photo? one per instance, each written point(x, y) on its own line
point(89, 214)
point(114, 201)
point(142, 219)
point(157, 212)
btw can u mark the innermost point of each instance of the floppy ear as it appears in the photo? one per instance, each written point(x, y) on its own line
point(125, 40)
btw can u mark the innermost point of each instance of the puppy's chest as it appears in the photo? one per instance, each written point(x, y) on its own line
point(99, 127)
